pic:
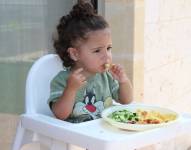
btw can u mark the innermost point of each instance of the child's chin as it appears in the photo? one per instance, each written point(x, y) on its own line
point(97, 71)
point(102, 71)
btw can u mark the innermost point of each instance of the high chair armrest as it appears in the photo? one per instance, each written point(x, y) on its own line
point(57, 129)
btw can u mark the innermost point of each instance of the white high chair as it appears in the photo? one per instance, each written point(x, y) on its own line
point(38, 123)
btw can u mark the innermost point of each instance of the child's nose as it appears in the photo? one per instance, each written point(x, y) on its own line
point(107, 60)
point(106, 55)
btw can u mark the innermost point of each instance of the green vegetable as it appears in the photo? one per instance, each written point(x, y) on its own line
point(124, 116)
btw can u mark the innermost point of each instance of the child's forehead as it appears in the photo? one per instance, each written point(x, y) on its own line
point(99, 36)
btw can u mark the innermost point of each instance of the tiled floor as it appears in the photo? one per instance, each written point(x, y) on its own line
point(9, 122)
point(8, 125)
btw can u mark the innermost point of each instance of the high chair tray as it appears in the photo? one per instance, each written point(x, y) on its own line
point(103, 135)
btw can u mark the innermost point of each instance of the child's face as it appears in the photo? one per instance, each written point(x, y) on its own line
point(94, 53)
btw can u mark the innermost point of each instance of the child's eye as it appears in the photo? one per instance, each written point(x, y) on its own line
point(109, 48)
point(97, 51)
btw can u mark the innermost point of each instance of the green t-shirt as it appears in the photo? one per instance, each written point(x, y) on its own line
point(91, 99)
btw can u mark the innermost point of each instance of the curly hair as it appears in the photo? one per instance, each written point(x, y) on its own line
point(74, 26)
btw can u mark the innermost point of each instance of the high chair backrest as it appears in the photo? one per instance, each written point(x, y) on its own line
point(38, 83)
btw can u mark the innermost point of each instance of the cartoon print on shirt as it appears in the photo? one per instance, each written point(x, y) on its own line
point(90, 105)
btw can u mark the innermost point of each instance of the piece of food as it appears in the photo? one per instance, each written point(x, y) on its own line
point(124, 116)
point(154, 117)
point(141, 117)
point(107, 66)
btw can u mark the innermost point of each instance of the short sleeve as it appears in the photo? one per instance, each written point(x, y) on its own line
point(57, 86)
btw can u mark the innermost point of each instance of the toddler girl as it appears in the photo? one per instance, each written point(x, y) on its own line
point(90, 81)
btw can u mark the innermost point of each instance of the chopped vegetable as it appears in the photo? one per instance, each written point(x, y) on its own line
point(124, 116)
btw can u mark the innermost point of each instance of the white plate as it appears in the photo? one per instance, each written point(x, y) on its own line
point(133, 108)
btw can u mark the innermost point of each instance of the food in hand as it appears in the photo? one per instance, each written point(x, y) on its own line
point(108, 66)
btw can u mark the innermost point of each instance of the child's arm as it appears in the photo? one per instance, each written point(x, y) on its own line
point(64, 106)
point(125, 87)
point(125, 92)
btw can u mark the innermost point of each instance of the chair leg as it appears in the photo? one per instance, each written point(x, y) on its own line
point(23, 136)
point(18, 138)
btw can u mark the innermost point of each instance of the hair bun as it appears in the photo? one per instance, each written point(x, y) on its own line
point(82, 9)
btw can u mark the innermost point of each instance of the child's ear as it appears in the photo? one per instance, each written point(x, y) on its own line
point(73, 52)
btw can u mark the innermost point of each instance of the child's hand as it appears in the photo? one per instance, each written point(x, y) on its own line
point(76, 79)
point(118, 73)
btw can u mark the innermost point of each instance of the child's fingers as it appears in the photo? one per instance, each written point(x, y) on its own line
point(116, 68)
point(79, 70)
point(77, 75)
point(82, 78)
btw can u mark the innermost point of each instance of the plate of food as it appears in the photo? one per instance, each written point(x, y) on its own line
point(139, 117)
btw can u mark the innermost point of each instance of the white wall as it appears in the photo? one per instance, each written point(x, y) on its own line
point(167, 53)
point(167, 60)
